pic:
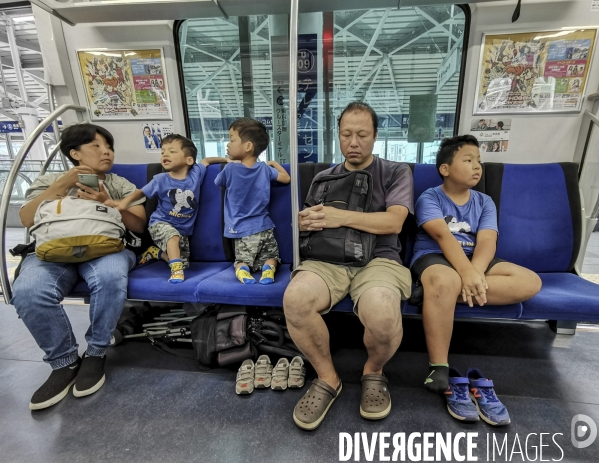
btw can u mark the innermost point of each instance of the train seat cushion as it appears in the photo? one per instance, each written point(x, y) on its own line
point(512, 311)
point(150, 282)
point(225, 288)
point(564, 296)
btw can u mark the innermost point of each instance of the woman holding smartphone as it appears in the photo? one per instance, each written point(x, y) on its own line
point(41, 285)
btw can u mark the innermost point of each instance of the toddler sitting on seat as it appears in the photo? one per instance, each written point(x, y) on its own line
point(178, 191)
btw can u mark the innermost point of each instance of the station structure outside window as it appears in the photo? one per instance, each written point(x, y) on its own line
point(407, 64)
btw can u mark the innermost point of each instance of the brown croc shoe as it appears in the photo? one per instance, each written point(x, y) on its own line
point(376, 400)
point(314, 405)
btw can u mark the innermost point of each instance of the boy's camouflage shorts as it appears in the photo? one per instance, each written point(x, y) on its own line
point(161, 232)
point(255, 250)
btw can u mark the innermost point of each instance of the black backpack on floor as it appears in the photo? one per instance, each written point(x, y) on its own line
point(350, 191)
point(224, 334)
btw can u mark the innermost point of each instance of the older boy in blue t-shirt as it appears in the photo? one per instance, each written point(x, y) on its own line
point(178, 192)
point(454, 254)
point(247, 184)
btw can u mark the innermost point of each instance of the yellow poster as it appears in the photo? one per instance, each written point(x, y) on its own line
point(534, 72)
point(125, 84)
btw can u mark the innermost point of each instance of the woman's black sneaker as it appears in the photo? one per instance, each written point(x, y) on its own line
point(56, 387)
point(90, 377)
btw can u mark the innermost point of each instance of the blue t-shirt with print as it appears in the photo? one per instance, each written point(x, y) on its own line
point(246, 198)
point(464, 222)
point(177, 199)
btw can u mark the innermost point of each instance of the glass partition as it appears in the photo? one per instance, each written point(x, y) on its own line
point(405, 63)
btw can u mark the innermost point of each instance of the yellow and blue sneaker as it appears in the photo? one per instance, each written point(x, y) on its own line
point(459, 404)
point(489, 407)
point(243, 274)
point(268, 275)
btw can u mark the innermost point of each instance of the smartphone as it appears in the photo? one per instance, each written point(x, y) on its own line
point(90, 181)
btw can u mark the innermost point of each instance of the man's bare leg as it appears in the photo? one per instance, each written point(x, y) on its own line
point(379, 310)
point(306, 296)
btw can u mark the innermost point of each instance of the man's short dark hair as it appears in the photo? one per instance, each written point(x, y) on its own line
point(357, 106)
point(253, 131)
point(449, 147)
point(187, 146)
point(500, 124)
point(81, 134)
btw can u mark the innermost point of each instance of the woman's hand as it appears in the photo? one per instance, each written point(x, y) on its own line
point(86, 192)
point(71, 177)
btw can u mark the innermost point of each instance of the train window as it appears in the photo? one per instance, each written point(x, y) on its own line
point(406, 63)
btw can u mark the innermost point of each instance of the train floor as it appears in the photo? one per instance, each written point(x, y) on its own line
point(155, 407)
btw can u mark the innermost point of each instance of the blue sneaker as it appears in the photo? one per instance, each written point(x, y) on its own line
point(459, 404)
point(488, 405)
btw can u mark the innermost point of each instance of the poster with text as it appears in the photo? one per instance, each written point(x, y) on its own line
point(153, 134)
point(493, 135)
point(534, 72)
point(125, 84)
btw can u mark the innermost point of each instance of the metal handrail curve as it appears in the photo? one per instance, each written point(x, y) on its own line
point(594, 119)
point(8, 186)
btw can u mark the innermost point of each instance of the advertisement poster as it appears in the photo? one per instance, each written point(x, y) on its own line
point(534, 72)
point(493, 134)
point(125, 84)
point(153, 134)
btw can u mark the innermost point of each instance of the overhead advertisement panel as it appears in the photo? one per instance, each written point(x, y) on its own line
point(125, 84)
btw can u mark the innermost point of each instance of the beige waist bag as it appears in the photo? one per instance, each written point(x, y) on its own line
point(76, 230)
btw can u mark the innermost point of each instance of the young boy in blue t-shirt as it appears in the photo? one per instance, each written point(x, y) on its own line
point(178, 192)
point(247, 184)
point(454, 259)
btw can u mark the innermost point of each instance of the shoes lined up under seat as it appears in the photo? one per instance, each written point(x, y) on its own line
point(262, 375)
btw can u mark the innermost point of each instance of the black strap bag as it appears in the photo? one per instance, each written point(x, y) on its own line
point(350, 191)
point(223, 335)
point(219, 337)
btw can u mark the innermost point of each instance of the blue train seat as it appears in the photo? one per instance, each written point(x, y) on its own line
point(539, 219)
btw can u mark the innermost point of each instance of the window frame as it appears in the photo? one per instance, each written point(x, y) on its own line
point(461, 81)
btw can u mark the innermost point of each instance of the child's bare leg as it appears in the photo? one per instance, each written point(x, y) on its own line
point(172, 248)
point(441, 285)
point(272, 262)
point(509, 284)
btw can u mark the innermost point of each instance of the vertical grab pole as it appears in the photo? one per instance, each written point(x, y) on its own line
point(293, 129)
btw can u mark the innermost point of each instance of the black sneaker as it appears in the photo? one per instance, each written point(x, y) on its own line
point(90, 377)
point(56, 387)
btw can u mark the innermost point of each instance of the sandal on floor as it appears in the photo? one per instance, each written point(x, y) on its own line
point(314, 405)
point(376, 400)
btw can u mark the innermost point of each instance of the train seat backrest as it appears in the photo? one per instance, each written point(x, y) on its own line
point(206, 243)
point(538, 207)
point(540, 219)
point(280, 213)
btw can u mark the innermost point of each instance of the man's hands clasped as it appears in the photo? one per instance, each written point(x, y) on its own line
point(319, 217)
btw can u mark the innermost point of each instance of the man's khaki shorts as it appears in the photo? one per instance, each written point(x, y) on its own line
point(341, 280)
